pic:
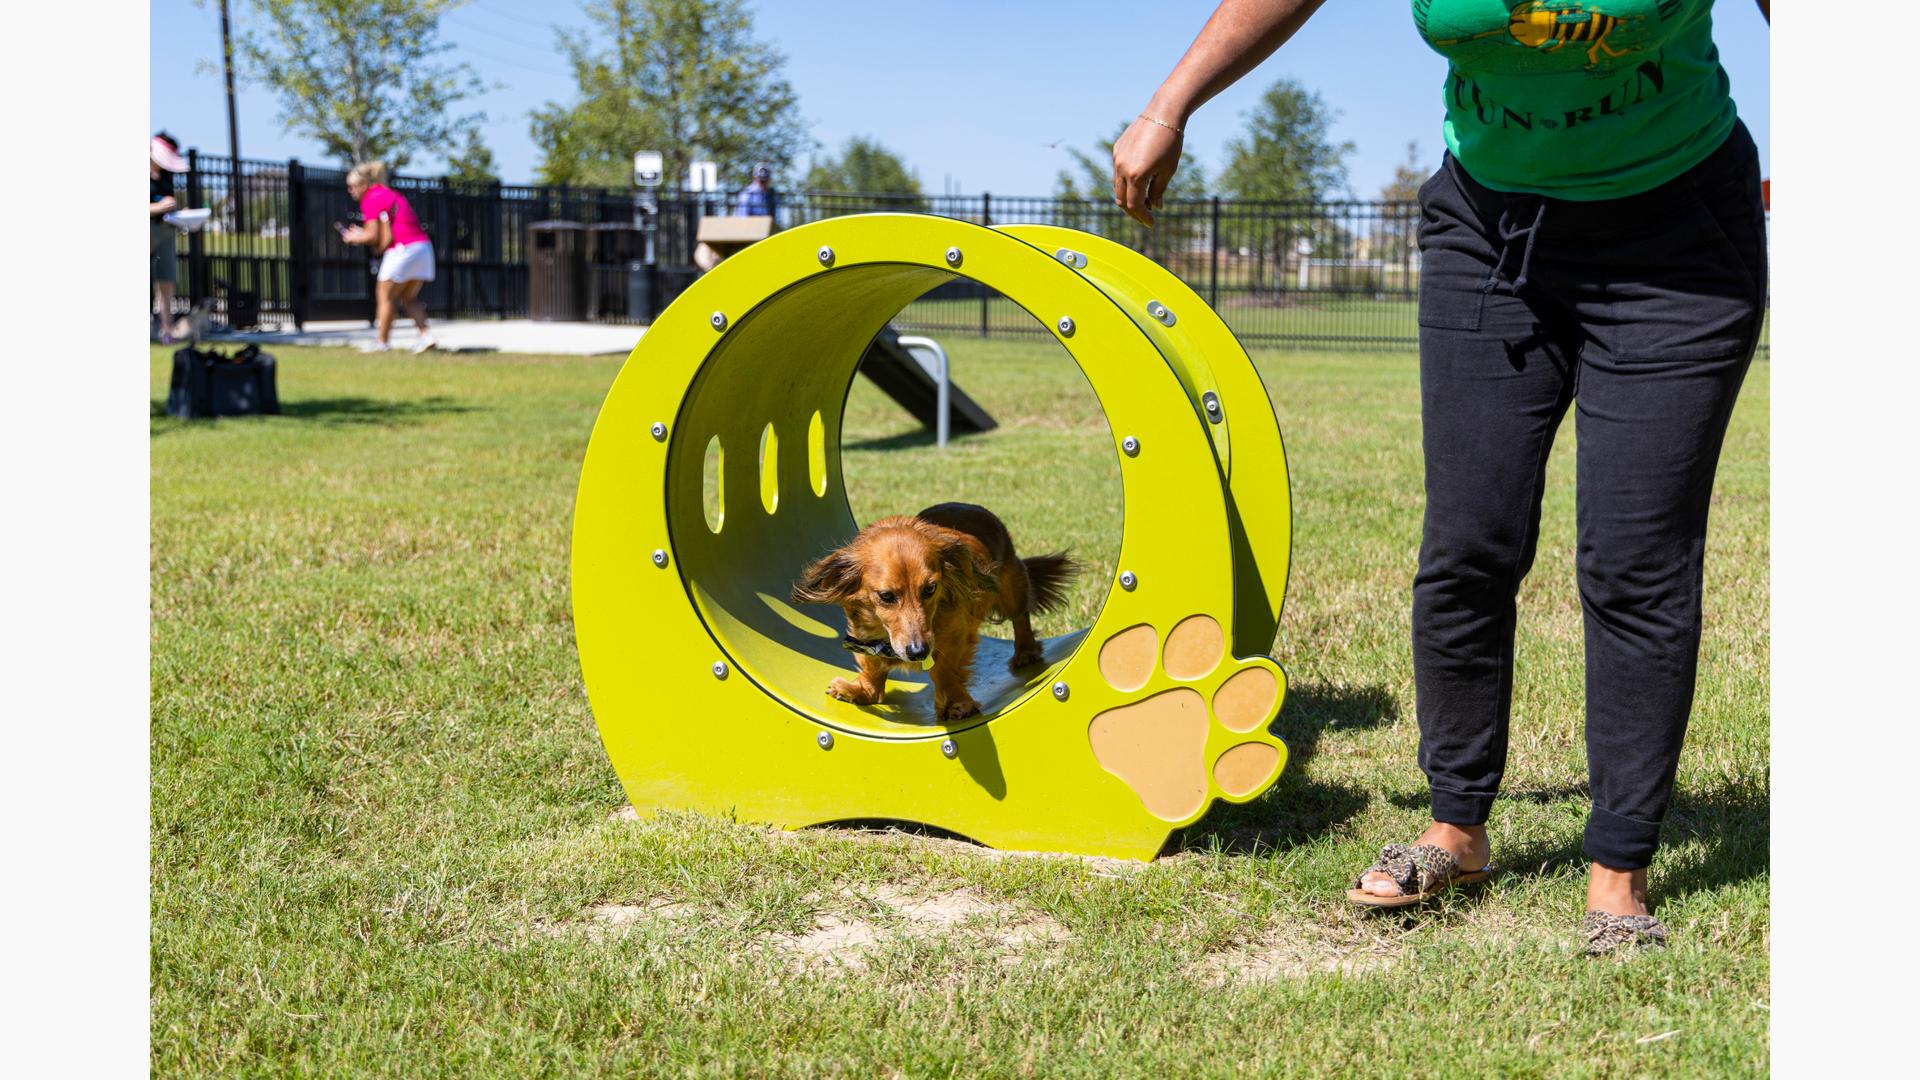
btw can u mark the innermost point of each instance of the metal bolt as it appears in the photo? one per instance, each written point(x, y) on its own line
point(825, 739)
point(1071, 258)
point(948, 748)
point(1160, 311)
point(718, 319)
point(719, 669)
point(660, 557)
point(826, 256)
point(659, 431)
point(1212, 401)
point(1060, 691)
point(953, 256)
point(1127, 580)
point(1066, 324)
point(1131, 445)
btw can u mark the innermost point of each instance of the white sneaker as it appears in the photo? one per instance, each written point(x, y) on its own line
point(424, 344)
point(373, 346)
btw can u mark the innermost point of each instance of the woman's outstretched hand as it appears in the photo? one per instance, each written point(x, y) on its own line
point(1144, 159)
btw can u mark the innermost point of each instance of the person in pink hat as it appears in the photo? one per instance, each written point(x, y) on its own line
point(163, 257)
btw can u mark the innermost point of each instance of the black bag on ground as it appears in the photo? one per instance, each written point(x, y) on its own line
point(209, 383)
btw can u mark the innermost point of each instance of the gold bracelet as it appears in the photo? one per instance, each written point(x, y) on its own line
point(1162, 123)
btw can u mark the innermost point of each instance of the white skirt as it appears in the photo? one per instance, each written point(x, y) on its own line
point(408, 262)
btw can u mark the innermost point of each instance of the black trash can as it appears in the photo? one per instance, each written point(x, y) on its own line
point(557, 271)
point(617, 274)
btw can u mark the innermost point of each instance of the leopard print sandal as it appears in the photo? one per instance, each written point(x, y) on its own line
point(1422, 871)
point(1605, 932)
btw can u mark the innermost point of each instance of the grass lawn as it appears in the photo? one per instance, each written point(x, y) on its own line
point(385, 839)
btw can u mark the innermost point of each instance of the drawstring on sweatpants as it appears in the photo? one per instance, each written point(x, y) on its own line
point(1510, 230)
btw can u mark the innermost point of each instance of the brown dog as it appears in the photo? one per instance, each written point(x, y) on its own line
point(916, 589)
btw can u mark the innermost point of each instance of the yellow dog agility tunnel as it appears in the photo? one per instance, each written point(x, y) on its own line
point(709, 686)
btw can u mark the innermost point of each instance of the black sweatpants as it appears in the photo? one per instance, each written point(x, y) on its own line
point(1642, 313)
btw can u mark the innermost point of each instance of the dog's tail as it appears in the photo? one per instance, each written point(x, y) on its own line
point(1047, 578)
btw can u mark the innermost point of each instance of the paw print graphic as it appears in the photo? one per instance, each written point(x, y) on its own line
point(1196, 727)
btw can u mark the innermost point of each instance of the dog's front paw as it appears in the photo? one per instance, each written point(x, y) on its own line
point(956, 709)
point(849, 691)
point(1025, 658)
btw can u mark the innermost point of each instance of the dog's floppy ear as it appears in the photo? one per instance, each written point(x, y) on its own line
point(969, 569)
point(833, 578)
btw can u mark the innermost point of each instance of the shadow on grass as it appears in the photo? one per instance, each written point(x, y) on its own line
point(1297, 808)
point(906, 440)
point(333, 412)
point(886, 826)
point(1712, 838)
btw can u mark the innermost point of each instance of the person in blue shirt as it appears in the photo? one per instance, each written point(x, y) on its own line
point(756, 199)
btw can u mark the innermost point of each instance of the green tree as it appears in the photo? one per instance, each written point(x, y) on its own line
point(864, 165)
point(363, 78)
point(474, 163)
point(685, 77)
point(1407, 178)
point(1400, 217)
point(1287, 153)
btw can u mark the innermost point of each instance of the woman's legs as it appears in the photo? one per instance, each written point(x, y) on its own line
point(1496, 378)
point(1491, 401)
point(384, 293)
point(409, 298)
point(1669, 349)
point(163, 307)
point(1656, 352)
point(162, 253)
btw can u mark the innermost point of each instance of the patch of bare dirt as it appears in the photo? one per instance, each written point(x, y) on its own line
point(871, 918)
point(833, 942)
point(602, 921)
point(1295, 952)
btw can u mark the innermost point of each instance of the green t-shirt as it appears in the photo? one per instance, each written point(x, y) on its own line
point(1579, 100)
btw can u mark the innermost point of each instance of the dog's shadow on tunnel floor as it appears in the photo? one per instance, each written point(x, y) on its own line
point(1297, 808)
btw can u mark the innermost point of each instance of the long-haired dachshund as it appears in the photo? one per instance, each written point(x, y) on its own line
point(916, 589)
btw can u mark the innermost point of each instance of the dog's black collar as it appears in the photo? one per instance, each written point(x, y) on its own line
point(882, 648)
point(876, 647)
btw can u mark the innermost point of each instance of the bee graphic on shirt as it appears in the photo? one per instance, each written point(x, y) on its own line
point(1551, 24)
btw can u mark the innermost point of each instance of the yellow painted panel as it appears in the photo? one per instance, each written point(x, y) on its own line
point(708, 686)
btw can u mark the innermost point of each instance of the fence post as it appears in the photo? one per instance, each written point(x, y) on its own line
point(986, 219)
point(299, 244)
point(196, 241)
point(1213, 274)
point(443, 225)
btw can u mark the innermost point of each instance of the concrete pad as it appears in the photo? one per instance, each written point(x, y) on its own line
point(463, 335)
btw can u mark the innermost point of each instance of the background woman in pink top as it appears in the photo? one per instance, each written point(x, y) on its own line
point(390, 227)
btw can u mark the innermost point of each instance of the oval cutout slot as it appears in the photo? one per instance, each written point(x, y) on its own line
point(713, 496)
point(769, 468)
point(817, 454)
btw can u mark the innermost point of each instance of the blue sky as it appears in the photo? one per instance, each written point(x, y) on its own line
point(972, 94)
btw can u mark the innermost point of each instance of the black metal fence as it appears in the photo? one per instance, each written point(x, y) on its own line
point(1334, 274)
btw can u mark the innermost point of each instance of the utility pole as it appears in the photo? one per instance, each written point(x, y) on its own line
point(233, 124)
